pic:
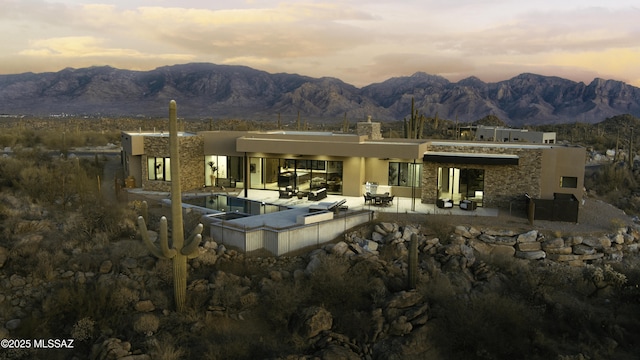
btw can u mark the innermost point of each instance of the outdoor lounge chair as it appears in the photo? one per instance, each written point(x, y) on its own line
point(286, 193)
point(319, 194)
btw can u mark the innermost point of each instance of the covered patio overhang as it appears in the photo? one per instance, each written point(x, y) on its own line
point(470, 158)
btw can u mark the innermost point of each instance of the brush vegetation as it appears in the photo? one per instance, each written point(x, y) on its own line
point(55, 220)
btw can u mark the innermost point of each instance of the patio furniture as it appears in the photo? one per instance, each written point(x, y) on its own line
point(386, 200)
point(444, 203)
point(381, 199)
point(468, 205)
point(287, 192)
point(368, 198)
point(319, 194)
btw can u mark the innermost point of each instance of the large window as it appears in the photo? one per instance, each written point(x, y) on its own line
point(223, 170)
point(159, 168)
point(404, 174)
point(303, 174)
point(459, 184)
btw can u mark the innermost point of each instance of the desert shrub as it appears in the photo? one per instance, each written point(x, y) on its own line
point(134, 248)
point(123, 298)
point(163, 271)
point(67, 302)
point(280, 300)
point(161, 299)
point(486, 326)
point(229, 340)
point(44, 266)
point(440, 226)
point(83, 329)
point(165, 349)
point(438, 289)
point(345, 290)
point(146, 324)
point(603, 278)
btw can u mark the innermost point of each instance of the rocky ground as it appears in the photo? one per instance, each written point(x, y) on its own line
point(479, 281)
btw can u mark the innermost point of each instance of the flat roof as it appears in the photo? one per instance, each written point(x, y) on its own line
point(495, 144)
point(307, 133)
point(156, 133)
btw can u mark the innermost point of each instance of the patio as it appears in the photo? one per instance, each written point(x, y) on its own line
point(399, 205)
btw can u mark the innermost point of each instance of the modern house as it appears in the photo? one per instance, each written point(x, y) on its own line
point(491, 174)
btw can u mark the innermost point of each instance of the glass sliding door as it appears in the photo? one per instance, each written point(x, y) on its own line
point(459, 184)
point(303, 174)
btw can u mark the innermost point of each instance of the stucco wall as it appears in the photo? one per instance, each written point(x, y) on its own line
point(191, 162)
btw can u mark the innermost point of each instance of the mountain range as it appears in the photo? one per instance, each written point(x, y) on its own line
point(205, 90)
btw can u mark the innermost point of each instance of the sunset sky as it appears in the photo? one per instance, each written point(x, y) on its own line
point(358, 41)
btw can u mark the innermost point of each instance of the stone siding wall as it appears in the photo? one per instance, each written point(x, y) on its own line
point(191, 150)
point(372, 130)
point(504, 185)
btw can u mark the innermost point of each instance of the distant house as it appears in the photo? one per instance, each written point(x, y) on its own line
point(502, 134)
point(492, 174)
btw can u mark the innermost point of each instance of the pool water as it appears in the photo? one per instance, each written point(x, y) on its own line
point(232, 204)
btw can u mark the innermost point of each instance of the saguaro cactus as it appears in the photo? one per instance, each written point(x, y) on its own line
point(413, 261)
point(414, 127)
point(177, 251)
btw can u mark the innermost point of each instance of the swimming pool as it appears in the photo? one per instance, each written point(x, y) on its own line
point(233, 204)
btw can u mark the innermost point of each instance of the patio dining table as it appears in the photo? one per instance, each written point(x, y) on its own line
point(382, 199)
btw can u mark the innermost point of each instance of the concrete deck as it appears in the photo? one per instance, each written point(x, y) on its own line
point(401, 205)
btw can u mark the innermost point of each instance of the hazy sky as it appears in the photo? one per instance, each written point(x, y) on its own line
point(357, 41)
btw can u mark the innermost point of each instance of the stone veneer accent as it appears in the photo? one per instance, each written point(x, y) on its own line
point(504, 185)
point(191, 161)
point(371, 129)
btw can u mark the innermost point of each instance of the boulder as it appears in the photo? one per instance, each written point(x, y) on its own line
point(392, 236)
point(388, 227)
point(340, 248)
point(105, 267)
point(335, 351)
point(502, 251)
point(618, 239)
point(17, 280)
point(560, 251)
point(555, 243)
point(531, 255)
point(499, 232)
point(12, 324)
point(582, 249)
point(598, 243)
point(480, 246)
point(377, 237)
point(407, 231)
point(530, 236)
point(311, 321)
point(505, 240)
point(528, 246)
point(404, 299)
point(463, 231)
point(489, 239)
point(400, 326)
point(573, 240)
point(371, 246)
